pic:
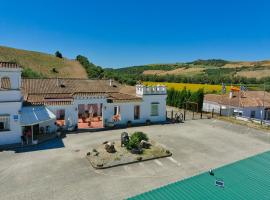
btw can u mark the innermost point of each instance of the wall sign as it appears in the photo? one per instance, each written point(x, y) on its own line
point(15, 117)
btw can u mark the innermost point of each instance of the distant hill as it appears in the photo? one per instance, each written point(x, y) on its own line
point(37, 64)
point(199, 71)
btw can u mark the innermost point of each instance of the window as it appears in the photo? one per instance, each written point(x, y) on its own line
point(4, 122)
point(252, 114)
point(5, 83)
point(60, 114)
point(136, 112)
point(154, 109)
point(116, 110)
point(267, 115)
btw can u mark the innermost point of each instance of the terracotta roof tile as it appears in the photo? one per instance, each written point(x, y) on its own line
point(47, 90)
point(249, 99)
point(120, 97)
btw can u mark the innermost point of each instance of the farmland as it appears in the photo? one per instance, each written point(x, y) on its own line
point(190, 86)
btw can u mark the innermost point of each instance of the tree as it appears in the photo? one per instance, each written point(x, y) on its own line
point(58, 54)
point(92, 70)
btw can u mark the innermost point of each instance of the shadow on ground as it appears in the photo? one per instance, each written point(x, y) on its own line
point(51, 144)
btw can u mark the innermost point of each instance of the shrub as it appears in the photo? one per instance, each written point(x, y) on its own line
point(29, 73)
point(58, 54)
point(135, 139)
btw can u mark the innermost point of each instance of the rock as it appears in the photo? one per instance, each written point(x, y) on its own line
point(139, 158)
point(94, 150)
point(136, 151)
point(105, 142)
point(96, 153)
point(88, 154)
point(168, 152)
point(110, 147)
point(124, 138)
point(145, 144)
point(99, 165)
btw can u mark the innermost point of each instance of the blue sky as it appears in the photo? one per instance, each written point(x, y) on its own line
point(117, 33)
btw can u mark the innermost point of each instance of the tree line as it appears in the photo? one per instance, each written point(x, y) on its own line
point(185, 99)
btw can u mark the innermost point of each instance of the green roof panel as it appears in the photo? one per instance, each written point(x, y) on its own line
point(245, 179)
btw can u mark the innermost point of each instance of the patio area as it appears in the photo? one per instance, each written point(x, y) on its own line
point(90, 122)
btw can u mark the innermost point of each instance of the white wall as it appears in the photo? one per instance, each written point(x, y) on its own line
point(14, 135)
point(10, 95)
point(14, 75)
point(146, 107)
point(71, 113)
point(246, 112)
point(209, 106)
point(127, 110)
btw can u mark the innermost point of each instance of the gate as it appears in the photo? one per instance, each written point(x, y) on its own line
point(179, 115)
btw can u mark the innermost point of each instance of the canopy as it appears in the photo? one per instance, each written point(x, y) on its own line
point(32, 115)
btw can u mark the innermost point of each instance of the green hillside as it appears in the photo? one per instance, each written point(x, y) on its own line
point(36, 64)
point(213, 71)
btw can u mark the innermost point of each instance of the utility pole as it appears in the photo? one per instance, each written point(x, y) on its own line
point(263, 103)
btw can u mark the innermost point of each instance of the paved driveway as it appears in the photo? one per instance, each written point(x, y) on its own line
point(59, 170)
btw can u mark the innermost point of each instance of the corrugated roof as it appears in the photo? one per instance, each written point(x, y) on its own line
point(248, 179)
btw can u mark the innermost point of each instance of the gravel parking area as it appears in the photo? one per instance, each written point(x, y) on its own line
point(59, 169)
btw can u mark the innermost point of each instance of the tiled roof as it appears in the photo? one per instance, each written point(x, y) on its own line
point(43, 86)
point(120, 97)
point(249, 99)
point(45, 90)
point(245, 179)
point(9, 65)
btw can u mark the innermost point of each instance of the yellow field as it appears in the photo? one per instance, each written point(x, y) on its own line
point(190, 86)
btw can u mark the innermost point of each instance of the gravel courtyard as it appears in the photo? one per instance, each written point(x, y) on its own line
point(59, 170)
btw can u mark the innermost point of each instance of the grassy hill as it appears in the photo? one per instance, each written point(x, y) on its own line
point(37, 64)
point(213, 71)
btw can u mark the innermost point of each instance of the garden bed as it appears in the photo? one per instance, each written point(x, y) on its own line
point(100, 158)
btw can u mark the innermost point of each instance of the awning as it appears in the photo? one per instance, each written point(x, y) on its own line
point(32, 115)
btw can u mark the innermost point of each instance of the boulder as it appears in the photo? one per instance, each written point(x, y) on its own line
point(145, 144)
point(139, 158)
point(110, 147)
point(136, 151)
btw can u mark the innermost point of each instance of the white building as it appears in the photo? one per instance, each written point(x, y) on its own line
point(252, 105)
point(32, 107)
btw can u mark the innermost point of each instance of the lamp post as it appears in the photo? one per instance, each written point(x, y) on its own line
point(263, 103)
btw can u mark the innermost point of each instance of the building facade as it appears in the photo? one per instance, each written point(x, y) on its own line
point(32, 107)
point(250, 105)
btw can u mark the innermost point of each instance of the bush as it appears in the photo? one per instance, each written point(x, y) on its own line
point(58, 54)
point(135, 139)
point(29, 73)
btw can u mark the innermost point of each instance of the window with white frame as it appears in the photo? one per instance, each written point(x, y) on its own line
point(60, 114)
point(252, 114)
point(116, 110)
point(4, 122)
point(154, 109)
point(136, 112)
point(267, 114)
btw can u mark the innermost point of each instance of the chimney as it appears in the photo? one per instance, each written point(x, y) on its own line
point(110, 82)
point(231, 94)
